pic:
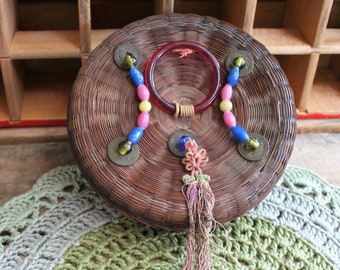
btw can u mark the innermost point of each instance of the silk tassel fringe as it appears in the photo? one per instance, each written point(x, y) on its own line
point(200, 201)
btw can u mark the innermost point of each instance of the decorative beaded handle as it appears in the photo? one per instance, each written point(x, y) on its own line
point(226, 106)
point(144, 106)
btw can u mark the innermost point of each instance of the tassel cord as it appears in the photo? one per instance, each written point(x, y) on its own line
point(200, 202)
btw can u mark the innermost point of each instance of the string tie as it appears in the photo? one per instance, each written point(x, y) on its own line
point(184, 111)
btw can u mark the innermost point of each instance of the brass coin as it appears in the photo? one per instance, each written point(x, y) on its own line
point(127, 48)
point(118, 159)
point(249, 61)
point(254, 155)
point(173, 141)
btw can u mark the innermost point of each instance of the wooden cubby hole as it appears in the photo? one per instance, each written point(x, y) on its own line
point(304, 35)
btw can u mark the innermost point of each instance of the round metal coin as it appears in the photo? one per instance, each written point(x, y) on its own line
point(249, 61)
point(173, 141)
point(259, 153)
point(118, 159)
point(127, 48)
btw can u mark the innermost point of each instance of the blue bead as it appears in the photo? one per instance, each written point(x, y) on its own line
point(136, 76)
point(240, 133)
point(135, 135)
point(181, 142)
point(233, 76)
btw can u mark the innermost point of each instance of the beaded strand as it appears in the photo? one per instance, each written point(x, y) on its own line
point(226, 106)
point(144, 107)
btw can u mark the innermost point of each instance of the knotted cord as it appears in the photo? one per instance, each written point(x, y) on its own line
point(200, 202)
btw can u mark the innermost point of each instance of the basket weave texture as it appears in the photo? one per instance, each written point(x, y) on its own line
point(103, 105)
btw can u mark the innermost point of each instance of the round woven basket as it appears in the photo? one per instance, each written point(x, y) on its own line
point(103, 106)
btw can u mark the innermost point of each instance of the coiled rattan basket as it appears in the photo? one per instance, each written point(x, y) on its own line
point(103, 105)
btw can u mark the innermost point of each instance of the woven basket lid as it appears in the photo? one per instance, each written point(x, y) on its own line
point(103, 106)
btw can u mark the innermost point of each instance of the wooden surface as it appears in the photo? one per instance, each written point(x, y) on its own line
point(26, 153)
point(21, 165)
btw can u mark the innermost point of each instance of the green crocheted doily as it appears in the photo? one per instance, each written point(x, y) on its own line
point(62, 224)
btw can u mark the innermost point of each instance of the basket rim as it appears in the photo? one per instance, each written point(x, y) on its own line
point(95, 109)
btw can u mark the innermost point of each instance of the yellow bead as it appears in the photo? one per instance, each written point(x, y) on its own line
point(129, 61)
point(124, 148)
point(239, 62)
point(145, 106)
point(252, 144)
point(226, 105)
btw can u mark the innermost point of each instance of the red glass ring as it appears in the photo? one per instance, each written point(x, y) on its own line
point(152, 62)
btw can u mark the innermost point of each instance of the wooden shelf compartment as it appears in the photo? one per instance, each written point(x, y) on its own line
point(290, 26)
point(240, 13)
point(37, 15)
point(45, 44)
point(99, 35)
point(315, 80)
point(201, 7)
point(282, 41)
point(41, 29)
point(325, 93)
point(330, 42)
point(46, 89)
point(300, 70)
point(269, 14)
point(108, 16)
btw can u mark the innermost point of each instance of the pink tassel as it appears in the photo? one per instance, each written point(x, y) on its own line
point(200, 201)
point(192, 212)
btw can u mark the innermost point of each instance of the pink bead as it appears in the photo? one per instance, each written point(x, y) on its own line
point(143, 120)
point(229, 119)
point(143, 92)
point(227, 92)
